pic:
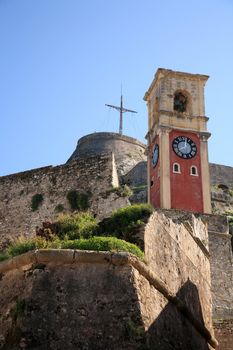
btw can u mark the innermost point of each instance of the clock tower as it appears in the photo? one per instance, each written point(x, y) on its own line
point(178, 167)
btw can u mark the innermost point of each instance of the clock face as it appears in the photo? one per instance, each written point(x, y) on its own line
point(184, 147)
point(155, 155)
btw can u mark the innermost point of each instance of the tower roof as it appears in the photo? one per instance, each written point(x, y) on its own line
point(161, 72)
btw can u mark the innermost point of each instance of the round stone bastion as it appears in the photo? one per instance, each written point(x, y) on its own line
point(127, 151)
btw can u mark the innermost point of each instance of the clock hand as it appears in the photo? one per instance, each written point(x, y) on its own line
point(185, 146)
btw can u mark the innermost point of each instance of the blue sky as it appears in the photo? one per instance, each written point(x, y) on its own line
point(62, 60)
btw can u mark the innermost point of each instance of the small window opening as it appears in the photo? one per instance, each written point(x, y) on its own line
point(176, 168)
point(180, 102)
point(193, 170)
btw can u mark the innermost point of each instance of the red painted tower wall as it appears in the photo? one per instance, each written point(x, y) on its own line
point(186, 189)
point(154, 178)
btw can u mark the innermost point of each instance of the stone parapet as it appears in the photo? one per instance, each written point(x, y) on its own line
point(52, 258)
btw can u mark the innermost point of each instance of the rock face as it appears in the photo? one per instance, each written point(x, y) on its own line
point(88, 300)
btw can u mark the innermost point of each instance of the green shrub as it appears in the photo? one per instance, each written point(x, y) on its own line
point(103, 244)
point(80, 225)
point(4, 256)
point(112, 244)
point(20, 308)
point(37, 200)
point(59, 208)
point(123, 221)
point(78, 200)
point(230, 220)
point(139, 188)
point(24, 244)
point(229, 215)
point(121, 191)
point(133, 330)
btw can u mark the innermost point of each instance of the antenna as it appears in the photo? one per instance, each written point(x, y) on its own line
point(122, 110)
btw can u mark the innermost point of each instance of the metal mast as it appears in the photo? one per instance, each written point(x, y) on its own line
point(122, 110)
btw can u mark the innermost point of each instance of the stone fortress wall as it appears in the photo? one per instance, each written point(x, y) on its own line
point(78, 299)
point(91, 171)
point(92, 176)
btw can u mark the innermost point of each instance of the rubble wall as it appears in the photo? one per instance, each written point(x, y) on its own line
point(93, 177)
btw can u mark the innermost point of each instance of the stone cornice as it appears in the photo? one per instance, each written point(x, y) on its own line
point(162, 72)
point(183, 115)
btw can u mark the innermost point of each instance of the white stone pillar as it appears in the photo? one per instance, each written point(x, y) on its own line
point(205, 172)
point(165, 182)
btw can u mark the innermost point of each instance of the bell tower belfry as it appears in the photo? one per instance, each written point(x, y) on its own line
point(178, 167)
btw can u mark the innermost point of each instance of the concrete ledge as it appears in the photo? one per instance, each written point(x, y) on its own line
point(70, 256)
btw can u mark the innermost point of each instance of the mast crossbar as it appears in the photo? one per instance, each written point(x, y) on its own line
point(122, 110)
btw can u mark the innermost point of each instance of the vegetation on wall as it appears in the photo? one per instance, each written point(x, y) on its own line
point(230, 217)
point(78, 200)
point(111, 244)
point(4, 256)
point(123, 221)
point(36, 201)
point(133, 329)
point(82, 231)
point(81, 225)
point(20, 308)
point(139, 188)
point(121, 191)
point(59, 208)
point(95, 243)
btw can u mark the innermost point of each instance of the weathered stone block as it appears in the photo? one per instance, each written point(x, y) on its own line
point(57, 256)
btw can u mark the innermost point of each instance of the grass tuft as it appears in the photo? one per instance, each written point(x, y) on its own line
point(80, 225)
point(95, 243)
point(123, 221)
point(111, 244)
point(24, 244)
